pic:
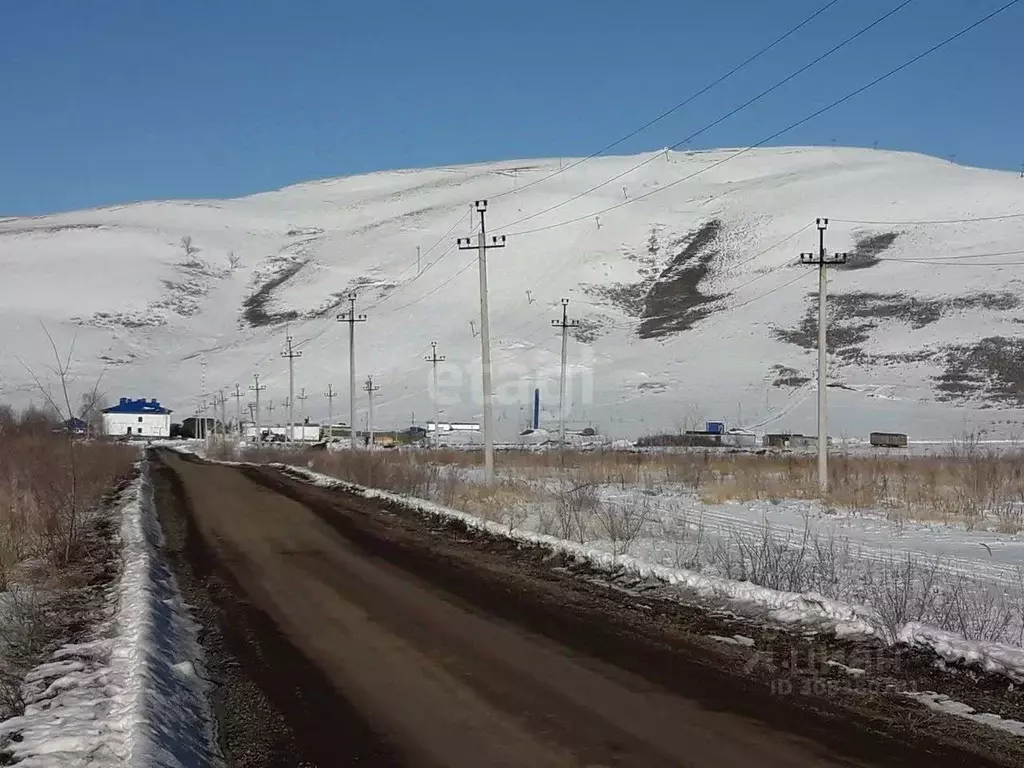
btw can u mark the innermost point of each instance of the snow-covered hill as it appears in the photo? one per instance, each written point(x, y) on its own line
point(692, 300)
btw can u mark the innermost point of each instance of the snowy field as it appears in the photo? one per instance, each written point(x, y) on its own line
point(684, 273)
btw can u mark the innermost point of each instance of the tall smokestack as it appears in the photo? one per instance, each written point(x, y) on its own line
point(536, 408)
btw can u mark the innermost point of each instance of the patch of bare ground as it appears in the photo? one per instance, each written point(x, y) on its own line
point(675, 302)
point(668, 298)
point(785, 376)
point(866, 250)
point(991, 369)
point(855, 315)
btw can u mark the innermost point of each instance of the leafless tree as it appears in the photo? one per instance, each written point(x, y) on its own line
point(186, 244)
point(91, 409)
point(60, 403)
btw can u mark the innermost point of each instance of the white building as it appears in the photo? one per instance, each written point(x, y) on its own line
point(301, 433)
point(137, 418)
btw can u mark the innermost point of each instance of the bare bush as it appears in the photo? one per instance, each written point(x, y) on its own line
point(575, 506)
point(621, 524)
point(27, 632)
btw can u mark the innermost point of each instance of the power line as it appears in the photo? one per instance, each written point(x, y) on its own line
point(959, 263)
point(767, 293)
point(679, 105)
point(436, 288)
point(788, 128)
point(959, 257)
point(839, 46)
point(935, 221)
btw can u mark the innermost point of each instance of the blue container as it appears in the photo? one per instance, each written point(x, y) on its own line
point(716, 427)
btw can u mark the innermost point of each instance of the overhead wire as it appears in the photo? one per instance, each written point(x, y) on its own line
point(796, 73)
point(832, 105)
point(675, 108)
point(969, 220)
point(817, 113)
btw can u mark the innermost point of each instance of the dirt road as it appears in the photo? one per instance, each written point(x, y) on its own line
point(343, 633)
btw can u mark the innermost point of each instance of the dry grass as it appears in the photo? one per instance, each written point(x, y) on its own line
point(51, 490)
point(966, 486)
point(48, 487)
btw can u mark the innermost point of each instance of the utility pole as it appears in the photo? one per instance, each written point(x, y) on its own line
point(302, 398)
point(330, 394)
point(434, 359)
point(252, 410)
point(822, 259)
point(257, 388)
point(238, 407)
point(370, 389)
point(482, 247)
point(222, 402)
point(291, 354)
point(351, 318)
point(270, 409)
point(565, 324)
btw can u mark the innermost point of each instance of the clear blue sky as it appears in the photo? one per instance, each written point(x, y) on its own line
point(120, 100)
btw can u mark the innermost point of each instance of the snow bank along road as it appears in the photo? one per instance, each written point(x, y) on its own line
point(342, 632)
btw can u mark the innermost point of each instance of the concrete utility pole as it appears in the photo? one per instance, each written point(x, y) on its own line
point(330, 394)
point(238, 407)
point(565, 324)
point(291, 354)
point(270, 409)
point(222, 401)
point(257, 388)
point(482, 247)
point(434, 359)
point(302, 397)
point(822, 259)
point(370, 390)
point(352, 318)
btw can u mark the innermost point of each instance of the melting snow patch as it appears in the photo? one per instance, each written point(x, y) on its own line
point(747, 642)
point(853, 671)
point(945, 704)
point(135, 696)
point(992, 657)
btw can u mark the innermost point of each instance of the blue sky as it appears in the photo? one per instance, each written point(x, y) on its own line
point(122, 100)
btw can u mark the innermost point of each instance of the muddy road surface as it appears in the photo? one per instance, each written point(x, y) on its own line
point(341, 632)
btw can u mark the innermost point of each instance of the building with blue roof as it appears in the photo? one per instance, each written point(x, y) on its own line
point(137, 418)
